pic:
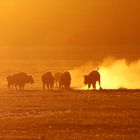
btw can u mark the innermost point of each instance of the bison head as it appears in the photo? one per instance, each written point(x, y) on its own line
point(30, 79)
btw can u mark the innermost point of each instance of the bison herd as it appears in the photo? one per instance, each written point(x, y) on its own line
point(61, 80)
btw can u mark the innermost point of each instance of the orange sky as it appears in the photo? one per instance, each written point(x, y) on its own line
point(69, 29)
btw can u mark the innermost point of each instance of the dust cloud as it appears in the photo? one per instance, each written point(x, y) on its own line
point(115, 74)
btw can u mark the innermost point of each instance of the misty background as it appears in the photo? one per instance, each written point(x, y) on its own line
point(68, 35)
point(69, 29)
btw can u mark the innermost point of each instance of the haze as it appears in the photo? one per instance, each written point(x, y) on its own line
point(69, 29)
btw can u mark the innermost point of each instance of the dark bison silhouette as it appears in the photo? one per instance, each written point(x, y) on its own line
point(92, 78)
point(57, 76)
point(48, 80)
point(19, 80)
point(65, 80)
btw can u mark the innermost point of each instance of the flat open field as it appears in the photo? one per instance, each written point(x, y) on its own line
point(69, 115)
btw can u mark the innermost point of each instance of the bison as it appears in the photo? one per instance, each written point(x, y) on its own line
point(65, 80)
point(19, 80)
point(57, 78)
point(48, 80)
point(92, 78)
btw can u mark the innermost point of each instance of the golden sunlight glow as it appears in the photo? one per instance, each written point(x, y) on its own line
point(115, 74)
point(51, 28)
point(76, 30)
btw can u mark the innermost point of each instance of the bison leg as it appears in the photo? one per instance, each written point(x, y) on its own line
point(21, 87)
point(16, 88)
point(12, 86)
point(94, 86)
point(67, 85)
point(59, 84)
point(48, 86)
point(89, 85)
point(56, 83)
point(51, 86)
point(100, 84)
